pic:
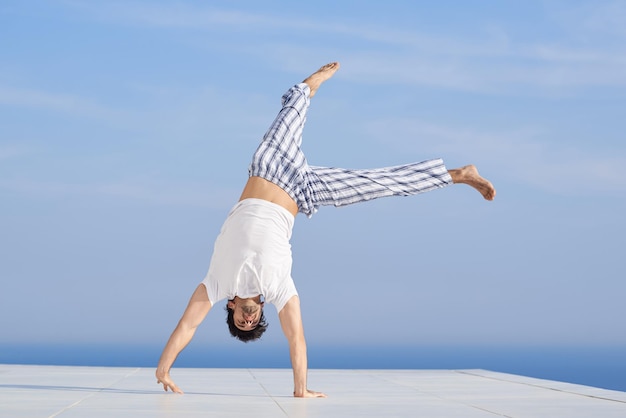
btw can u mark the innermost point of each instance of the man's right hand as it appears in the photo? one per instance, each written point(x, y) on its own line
point(167, 382)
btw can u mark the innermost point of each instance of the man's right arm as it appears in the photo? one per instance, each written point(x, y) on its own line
point(197, 309)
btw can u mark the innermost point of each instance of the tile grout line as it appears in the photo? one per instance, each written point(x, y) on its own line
point(267, 392)
point(413, 388)
point(67, 408)
point(542, 387)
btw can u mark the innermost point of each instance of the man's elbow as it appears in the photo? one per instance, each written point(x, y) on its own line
point(185, 325)
point(297, 343)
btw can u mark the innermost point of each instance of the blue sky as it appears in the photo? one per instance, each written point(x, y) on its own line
point(126, 128)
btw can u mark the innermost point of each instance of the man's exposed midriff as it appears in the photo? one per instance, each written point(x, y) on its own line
point(259, 188)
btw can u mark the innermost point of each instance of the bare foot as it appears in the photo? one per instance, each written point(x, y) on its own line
point(316, 79)
point(469, 175)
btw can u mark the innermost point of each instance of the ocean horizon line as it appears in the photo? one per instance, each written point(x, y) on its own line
point(597, 366)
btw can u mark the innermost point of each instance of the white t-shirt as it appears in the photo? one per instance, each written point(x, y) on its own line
point(252, 255)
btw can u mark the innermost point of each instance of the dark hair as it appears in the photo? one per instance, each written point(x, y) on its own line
point(245, 336)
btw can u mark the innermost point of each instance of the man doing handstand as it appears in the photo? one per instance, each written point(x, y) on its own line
point(252, 256)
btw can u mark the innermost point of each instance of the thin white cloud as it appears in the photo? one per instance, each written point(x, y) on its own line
point(172, 15)
point(490, 60)
point(603, 17)
point(162, 194)
point(10, 151)
point(166, 113)
point(38, 99)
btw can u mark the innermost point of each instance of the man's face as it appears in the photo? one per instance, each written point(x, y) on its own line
point(246, 312)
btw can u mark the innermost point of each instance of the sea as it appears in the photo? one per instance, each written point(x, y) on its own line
point(601, 367)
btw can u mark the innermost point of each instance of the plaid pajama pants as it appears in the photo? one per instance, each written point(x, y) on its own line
point(280, 160)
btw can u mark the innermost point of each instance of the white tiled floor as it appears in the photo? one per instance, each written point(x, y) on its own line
point(66, 392)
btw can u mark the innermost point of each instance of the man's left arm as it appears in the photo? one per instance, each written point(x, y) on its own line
point(291, 323)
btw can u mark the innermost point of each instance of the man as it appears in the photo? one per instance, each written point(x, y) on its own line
point(252, 254)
